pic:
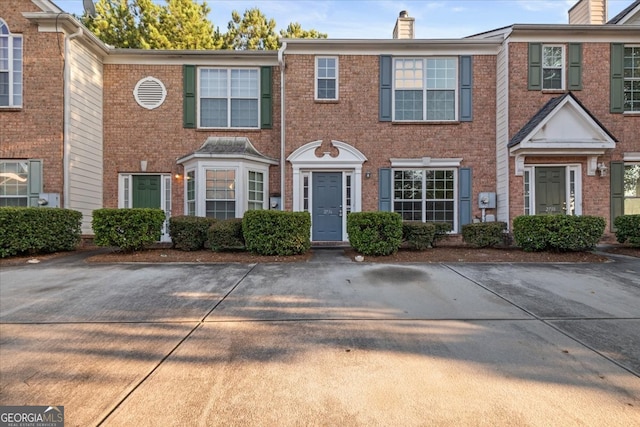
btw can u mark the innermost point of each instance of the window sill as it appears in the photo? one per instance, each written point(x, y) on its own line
point(554, 91)
point(326, 101)
point(631, 113)
point(435, 122)
point(229, 129)
point(10, 108)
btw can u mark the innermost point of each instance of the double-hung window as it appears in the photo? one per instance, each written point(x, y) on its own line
point(14, 177)
point(425, 195)
point(552, 67)
point(425, 89)
point(632, 78)
point(632, 189)
point(255, 196)
point(220, 193)
point(10, 67)
point(229, 98)
point(326, 78)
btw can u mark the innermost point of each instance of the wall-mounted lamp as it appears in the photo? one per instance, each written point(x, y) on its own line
point(177, 176)
point(143, 165)
point(367, 174)
point(602, 169)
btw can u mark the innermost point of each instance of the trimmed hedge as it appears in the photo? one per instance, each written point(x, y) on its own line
point(628, 228)
point(484, 234)
point(226, 235)
point(418, 235)
point(127, 229)
point(375, 233)
point(276, 232)
point(560, 233)
point(38, 230)
point(189, 233)
point(442, 230)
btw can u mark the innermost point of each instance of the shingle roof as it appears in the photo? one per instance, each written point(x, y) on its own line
point(544, 112)
point(226, 146)
point(623, 13)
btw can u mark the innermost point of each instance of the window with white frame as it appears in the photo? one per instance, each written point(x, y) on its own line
point(425, 195)
point(10, 67)
point(553, 67)
point(191, 193)
point(220, 193)
point(229, 98)
point(14, 176)
point(632, 78)
point(425, 89)
point(326, 78)
point(255, 194)
point(632, 189)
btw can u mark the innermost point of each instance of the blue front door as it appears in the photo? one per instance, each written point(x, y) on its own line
point(327, 206)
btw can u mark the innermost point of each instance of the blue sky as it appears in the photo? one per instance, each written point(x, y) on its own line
point(375, 19)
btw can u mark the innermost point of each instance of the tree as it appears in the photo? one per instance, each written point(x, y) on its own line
point(251, 31)
point(295, 31)
point(142, 24)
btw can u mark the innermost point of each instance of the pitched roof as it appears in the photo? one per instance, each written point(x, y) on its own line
point(228, 147)
point(542, 114)
point(620, 16)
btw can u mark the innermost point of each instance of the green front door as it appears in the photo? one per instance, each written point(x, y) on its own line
point(551, 197)
point(146, 191)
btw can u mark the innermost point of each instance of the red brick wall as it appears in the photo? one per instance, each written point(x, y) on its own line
point(354, 120)
point(595, 97)
point(36, 130)
point(133, 133)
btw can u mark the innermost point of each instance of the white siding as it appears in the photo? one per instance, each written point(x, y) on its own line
point(85, 133)
point(579, 14)
point(502, 134)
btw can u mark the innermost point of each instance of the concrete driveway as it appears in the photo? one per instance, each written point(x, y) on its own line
point(326, 342)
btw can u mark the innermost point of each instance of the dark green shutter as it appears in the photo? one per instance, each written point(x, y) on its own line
point(465, 196)
point(266, 101)
point(617, 78)
point(384, 189)
point(466, 84)
point(575, 66)
point(617, 190)
point(535, 66)
point(386, 87)
point(189, 96)
point(34, 182)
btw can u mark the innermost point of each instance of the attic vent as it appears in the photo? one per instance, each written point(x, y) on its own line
point(149, 93)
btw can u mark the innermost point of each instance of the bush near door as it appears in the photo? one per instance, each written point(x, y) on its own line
point(628, 228)
point(375, 233)
point(557, 232)
point(127, 229)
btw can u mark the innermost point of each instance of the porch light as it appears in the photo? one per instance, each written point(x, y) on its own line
point(602, 169)
point(367, 174)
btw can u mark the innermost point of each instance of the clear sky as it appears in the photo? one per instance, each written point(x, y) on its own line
point(375, 19)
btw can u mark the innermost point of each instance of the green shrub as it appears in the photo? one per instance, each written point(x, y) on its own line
point(375, 233)
point(442, 230)
point(226, 235)
point(189, 233)
point(484, 234)
point(418, 235)
point(276, 232)
point(127, 229)
point(628, 228)
point(38, 230)
point(557, 232)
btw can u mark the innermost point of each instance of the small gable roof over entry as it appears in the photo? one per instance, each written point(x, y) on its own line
point(563, 126)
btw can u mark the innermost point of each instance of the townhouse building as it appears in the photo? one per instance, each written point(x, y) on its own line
point(525, 119)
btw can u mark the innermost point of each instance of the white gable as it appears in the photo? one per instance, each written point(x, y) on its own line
point(567, 130)
point(47, 6)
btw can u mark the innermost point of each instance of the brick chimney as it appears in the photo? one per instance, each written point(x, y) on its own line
point(588, 12)
point(404, 27)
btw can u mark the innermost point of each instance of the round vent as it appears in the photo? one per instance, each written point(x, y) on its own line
point(150, 93)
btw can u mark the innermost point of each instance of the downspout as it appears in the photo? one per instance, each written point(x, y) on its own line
point(67, 117)
point(282, 128)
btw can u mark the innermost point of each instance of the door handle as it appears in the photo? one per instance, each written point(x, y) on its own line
point(340, 212)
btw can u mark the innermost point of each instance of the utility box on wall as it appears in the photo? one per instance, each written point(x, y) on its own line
point(487, 200)
point(49, 200)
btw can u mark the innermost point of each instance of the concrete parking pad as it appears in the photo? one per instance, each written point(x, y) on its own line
point(87, 368)
point(115, 293)
point(361, 291)
point(368, 373)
